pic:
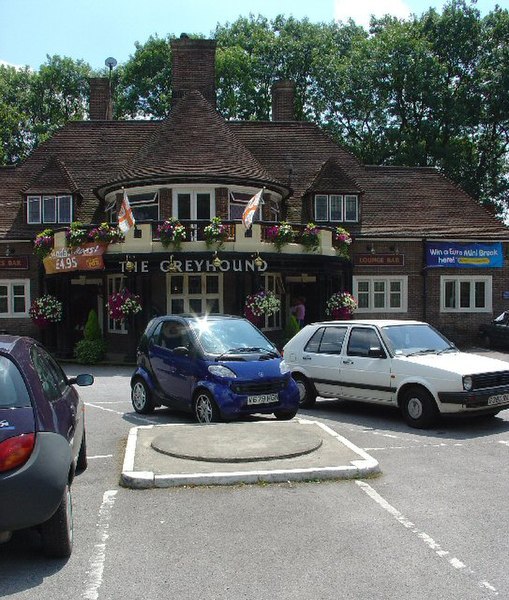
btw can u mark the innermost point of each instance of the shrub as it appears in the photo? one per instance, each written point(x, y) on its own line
point(92, 331)
point(89, 352)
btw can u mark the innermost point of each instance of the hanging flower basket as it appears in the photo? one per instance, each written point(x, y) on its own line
point(45, 310)
point(260, 305)
point(123, 304)
point(76, 235)
point(310, 238)
point(172, 233)
point(280, 235)
point(43, 243)
point(342, 240)
point(340, 306)
point(107, 234)
point(216, 233)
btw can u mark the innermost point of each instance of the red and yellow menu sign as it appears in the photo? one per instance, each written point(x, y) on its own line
point(87, 257)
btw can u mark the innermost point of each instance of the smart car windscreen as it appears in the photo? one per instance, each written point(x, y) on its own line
point(226, 335)
point(415, 339)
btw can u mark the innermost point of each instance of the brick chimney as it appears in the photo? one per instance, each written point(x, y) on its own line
point(193, 67)
point(283, 101)
point(101, 107)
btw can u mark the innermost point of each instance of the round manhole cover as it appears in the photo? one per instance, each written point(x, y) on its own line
point(234, 443)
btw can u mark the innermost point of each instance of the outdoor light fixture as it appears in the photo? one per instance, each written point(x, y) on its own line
point(371, 248)
point(258, 261)
point(216, 261)
point(172, 267)
point(129, 265)
point(394, 249)
point(9, 251)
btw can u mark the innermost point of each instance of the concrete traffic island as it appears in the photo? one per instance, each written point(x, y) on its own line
point(245, 452)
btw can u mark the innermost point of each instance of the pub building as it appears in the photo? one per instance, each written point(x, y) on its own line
point(422, 248)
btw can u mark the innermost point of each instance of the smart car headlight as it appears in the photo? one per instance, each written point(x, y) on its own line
point(284, 368)
point(467, 383)
point(221, 371)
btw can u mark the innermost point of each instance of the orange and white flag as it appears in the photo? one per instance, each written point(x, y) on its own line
point(125, 215)
point(251, 208)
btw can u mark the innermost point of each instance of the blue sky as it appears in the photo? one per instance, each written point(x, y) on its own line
point(92, 30)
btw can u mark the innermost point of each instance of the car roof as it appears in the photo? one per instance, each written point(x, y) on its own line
point(375, 322)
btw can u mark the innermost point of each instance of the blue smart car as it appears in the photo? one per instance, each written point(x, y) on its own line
point(218, 367)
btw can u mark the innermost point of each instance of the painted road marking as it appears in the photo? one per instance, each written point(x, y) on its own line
point(428, 540)
point(98, 558)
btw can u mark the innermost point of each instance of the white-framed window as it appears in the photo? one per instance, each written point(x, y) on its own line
point(115, 284)
point(14, 297)
point(145, 207)
point(466, 293)
point(194, 205)
point(49, 209)
point(272, 282)
point(196, 293)
point(337, 208)
point(381, 294)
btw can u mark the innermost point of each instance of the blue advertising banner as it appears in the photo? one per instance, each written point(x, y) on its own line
point(464, 256)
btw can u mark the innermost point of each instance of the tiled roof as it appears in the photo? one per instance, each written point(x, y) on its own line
point(195, 141)
point(196, 144)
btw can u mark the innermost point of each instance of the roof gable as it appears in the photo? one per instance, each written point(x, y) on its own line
point(52, 178)
point(332, 177)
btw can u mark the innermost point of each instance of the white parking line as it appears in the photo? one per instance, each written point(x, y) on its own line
point(122, 413)
point(429, 541)
point(95, 572)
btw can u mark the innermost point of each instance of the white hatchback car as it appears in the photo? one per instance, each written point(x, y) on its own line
point(408, 364)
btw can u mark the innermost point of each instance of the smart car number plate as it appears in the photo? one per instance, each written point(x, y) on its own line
point(500, 399)
point(262, 399)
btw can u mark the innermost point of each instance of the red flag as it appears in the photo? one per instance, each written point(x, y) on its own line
point(125, 215)
point(251, 208)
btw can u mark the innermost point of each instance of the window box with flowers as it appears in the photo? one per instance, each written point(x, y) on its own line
point(340, 306)
point(123, 304)
point(107, 234)
point(310, 238)
point(216, 233)
point(76, 235)
point(260, 305)
point(43, 243)
point(280, 235)
point(46, 310)
point(172, 233)
point(342, 240)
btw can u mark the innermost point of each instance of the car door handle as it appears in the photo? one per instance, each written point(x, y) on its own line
point(348, 362)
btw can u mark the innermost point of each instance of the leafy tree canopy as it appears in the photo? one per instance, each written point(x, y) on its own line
point(428, 91)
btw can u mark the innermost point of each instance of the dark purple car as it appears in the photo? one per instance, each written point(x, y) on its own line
point(42, 443)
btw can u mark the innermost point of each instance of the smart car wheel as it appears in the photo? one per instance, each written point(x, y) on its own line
point(307, 392)
point(419, 408)
point(141, 398)
point(57, 532)
point(205, 408)
point(285, 415)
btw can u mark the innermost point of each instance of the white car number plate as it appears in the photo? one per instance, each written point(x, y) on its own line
point(262, 399)
point(500, 399)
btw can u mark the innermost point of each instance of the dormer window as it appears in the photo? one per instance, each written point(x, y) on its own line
point(342, 208)
point(49, 209)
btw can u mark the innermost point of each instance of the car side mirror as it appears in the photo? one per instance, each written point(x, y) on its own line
point(83, 379)
point(376, 353)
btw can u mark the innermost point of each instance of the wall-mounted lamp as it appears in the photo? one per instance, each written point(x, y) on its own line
point(258, 260)
point(394, 249)
point(172, 267)
point(129, 265)
point(9, 251)
point(371, 248)
point(216, 261)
